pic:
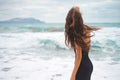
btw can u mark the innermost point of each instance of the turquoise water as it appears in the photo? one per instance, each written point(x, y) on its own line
point(10, 27)
point(105, 43)
point(51, 36)
point(35, 42)
point(47, 27)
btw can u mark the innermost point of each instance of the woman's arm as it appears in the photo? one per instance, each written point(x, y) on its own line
point(77, 61)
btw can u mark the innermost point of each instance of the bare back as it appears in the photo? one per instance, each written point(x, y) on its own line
point(87, 41)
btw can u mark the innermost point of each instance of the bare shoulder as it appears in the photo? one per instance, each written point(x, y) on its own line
point(77, 47)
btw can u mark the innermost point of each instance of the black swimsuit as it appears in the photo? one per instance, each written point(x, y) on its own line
point(85, 69)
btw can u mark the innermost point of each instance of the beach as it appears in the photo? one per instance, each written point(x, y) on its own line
point(42, 55)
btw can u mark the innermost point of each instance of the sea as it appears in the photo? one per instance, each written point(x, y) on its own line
point(32, 51)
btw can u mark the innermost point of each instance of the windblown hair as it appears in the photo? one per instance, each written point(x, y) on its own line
point(75, 30)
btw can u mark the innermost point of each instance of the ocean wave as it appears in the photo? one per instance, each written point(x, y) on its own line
point(47, 27)
point(50, 44)
point(105, 43)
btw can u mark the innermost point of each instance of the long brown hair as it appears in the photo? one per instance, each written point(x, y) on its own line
point(75, 30)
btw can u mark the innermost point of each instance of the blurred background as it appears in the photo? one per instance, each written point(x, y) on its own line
point(32, 43)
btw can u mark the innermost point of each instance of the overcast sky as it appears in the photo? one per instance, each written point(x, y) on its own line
point(56, 10)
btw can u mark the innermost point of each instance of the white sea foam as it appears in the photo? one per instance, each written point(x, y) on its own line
point(44, 56)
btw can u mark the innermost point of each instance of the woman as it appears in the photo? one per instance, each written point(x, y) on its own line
point(77, 37)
